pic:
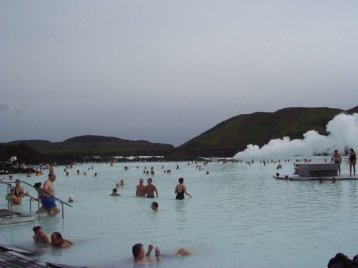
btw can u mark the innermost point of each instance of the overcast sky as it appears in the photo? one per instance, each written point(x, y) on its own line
point(166, 71)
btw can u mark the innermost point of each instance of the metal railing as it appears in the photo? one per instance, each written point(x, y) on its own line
point(10, 187)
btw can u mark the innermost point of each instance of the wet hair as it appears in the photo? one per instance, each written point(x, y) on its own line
point(136, 249)
point(155, 204)
point(37, 185)
point(17, 181)
point(36, 228)
point(181, 180)
point(114, 190)
point(57, 235)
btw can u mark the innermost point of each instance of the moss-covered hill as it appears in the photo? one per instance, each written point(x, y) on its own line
point(79, 148)
point(225, 139)
point(234, 134)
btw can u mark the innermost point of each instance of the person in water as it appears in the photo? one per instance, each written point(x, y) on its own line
point(140, 257)
point(48, 196)
point(180, 190)
point(155, 206)
point(17, 193)
point(40, 236)
point(114, 192)
point(150, 189)
point(140, 191)
point(58, 241)
point(352, 162)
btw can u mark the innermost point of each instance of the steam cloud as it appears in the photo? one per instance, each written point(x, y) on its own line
point(343, 133)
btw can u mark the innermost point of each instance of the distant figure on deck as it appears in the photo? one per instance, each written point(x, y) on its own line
point(40, 236)
point(295, 168)
point(150, 189)
point(59, 242)
point(180, 190)
point(17, 193)
point(352, 162)
point(140, 189)
point(48, 196)
point(337, 159)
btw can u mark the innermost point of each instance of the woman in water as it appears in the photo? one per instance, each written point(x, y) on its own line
point(180, 190)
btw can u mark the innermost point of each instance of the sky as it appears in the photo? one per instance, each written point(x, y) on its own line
point(166, 71)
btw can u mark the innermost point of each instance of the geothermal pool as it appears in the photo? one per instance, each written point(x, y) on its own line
point(239, 216)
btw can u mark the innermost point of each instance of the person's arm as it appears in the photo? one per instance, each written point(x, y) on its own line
point(150, 248)
point(157, 253)
point(176, 189)
point(156, 192)
point(47, 238)
point(184, 189)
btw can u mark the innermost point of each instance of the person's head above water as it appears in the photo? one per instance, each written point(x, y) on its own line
point(154, 206)
point(138, 252)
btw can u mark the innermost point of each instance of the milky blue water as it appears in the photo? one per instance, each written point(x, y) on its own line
point(239, 216)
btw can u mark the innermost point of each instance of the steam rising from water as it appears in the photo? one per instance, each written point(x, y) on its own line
point(343, 133)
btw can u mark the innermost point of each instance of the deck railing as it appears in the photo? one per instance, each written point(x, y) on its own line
point(33, 198)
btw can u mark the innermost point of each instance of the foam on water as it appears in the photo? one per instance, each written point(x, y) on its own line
point(239, 216)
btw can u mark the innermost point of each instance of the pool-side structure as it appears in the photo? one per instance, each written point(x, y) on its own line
point(315, 172)
point(16, 257)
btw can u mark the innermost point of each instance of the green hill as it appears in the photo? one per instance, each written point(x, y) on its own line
point(234, 134)
point(223, 140)
point(88, 146)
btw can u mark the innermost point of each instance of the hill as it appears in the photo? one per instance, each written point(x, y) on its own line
point(234, 134)
point(223, 140)
point(82, 147)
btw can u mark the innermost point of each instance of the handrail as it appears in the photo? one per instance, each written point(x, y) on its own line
point(61, 201)
point(49, 195)
point(9, 184)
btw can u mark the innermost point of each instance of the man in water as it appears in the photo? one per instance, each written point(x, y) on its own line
point(150, 189)
point(140, 257)
point(59, 242)
point(337, 159)
point(140, 189)
point(40, 236)
point(48, 196)
point(114, 192)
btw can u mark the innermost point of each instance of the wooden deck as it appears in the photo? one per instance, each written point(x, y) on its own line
point(330, 178)
point(11, 257)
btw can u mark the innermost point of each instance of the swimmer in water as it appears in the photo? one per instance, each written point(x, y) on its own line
point(140, 257)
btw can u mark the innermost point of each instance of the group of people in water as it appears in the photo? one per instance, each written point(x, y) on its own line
point(151, 191)
point(46, 194)
point(55, 239)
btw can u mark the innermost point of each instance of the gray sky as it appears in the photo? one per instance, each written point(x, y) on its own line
point(166, 71)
